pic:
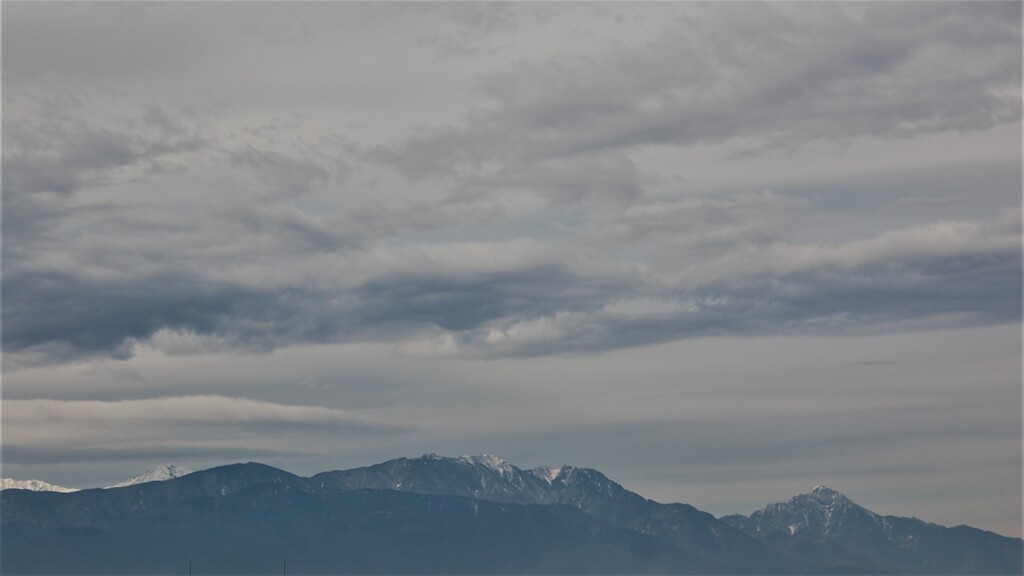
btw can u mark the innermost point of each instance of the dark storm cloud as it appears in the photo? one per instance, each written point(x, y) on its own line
point(534, 309)
point(62, 314)
point(954, 274)
point(531, 226)
point(90, 316)
point(460, 303)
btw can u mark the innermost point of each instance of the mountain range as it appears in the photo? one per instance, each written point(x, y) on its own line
point(466, 515)
point(34, 485)
point(162, 472)
point(827, 529)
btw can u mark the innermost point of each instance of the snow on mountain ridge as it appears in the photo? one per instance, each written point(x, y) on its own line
point(34, 485)
point(158, 474)
point(822, 511)
point(826, 494)
point(162, 472)
point(489, 461)
point(547, 473)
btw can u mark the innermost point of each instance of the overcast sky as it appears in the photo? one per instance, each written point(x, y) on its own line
point(721, 252)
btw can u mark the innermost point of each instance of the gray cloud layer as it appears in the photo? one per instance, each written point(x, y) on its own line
point(275, 244)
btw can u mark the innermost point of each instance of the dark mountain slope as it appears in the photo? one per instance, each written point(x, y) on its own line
point(253, 529)
point(697, 533)
point(96, 506)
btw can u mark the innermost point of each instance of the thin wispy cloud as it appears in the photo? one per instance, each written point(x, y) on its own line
point(205, 426)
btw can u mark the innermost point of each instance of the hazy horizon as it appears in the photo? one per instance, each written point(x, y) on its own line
point(721, 252)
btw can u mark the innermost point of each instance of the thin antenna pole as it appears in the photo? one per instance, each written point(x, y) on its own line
point(284, 569)
point(189, 568)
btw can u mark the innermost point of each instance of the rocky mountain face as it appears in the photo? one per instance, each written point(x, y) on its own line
point(468, 515)
point(828, 532)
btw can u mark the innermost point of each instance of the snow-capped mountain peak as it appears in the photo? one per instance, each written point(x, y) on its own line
point(486, 460)
point(825, 498)
point(160, 473)
point(490, 462)
point(826, 493)
point(821, 513)
point(547, 473)
point(34, 485)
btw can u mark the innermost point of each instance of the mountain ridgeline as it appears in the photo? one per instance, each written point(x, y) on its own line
point(827, 529)
point(468, 515)
point(163, 472)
